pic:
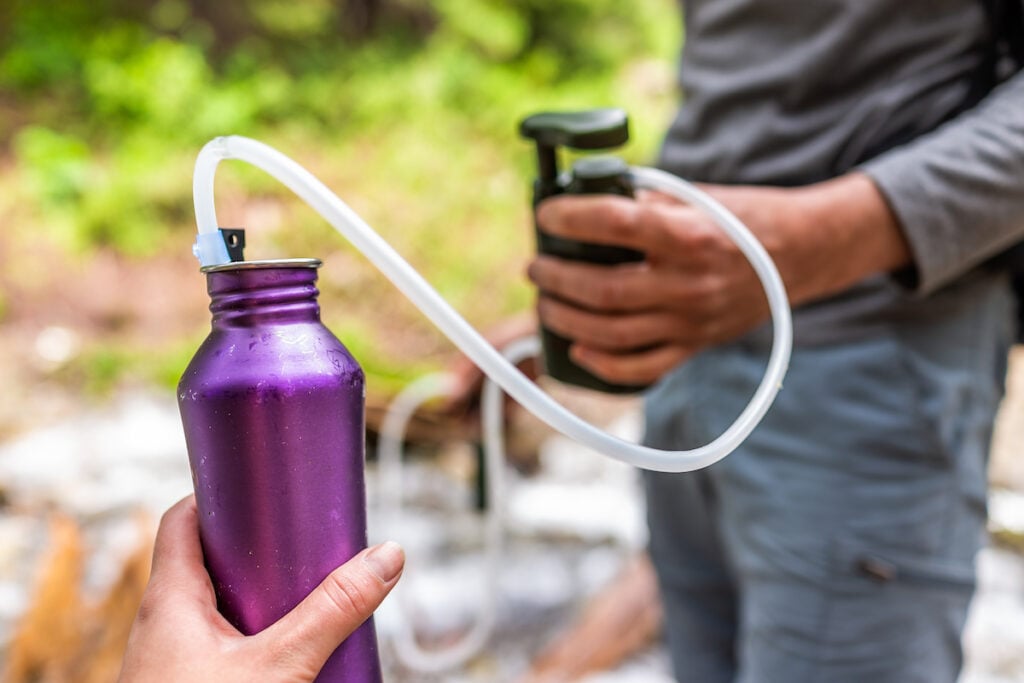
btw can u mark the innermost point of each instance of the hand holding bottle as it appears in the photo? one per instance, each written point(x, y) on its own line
point(179, 635)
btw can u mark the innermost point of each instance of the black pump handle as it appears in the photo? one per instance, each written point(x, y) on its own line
point(593, 129)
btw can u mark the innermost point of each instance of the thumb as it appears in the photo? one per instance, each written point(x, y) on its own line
point(305, 637)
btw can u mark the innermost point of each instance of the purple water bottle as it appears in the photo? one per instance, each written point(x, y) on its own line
point(273, 410)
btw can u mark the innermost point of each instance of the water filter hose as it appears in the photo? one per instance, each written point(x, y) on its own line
point(468, 340)
point(389, 461)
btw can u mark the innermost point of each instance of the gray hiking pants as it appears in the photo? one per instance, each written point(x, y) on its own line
point(837, 544)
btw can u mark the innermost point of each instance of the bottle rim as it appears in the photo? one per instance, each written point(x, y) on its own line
point(266, 263)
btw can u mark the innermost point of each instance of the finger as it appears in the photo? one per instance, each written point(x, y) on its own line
point(616, 333)
point(651, 227)
point(630, 287)
point(178, 555)
point(626, 287)
point(468, 378)
point(305, 637)
point(598, 219)
point(642, 367)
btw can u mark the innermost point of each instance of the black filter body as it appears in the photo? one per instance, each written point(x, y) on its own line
point(597, 129)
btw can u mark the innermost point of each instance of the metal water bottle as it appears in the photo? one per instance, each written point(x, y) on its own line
point(273, 410)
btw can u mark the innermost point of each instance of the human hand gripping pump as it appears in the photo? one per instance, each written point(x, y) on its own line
point(272, 403)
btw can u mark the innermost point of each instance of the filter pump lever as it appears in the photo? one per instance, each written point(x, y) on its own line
point(583, 130)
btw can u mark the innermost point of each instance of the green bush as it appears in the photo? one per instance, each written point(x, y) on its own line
point(408, 108)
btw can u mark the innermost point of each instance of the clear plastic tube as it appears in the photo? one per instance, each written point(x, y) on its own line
point(389, 454)
point(471, 343)
point(389, 459)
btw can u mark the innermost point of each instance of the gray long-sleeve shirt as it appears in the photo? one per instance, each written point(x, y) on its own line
point(789, 92)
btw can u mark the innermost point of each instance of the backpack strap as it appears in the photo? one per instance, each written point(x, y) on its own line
point(1006, 25)
point(1013, 32)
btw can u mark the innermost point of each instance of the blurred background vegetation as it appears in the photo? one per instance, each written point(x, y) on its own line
point(406, 108)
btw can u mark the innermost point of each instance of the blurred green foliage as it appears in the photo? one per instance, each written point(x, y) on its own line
point(407, 108)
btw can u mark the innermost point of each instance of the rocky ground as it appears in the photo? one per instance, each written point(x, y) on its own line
point(571, 527)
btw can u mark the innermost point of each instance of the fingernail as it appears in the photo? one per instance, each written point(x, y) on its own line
point(385, 561)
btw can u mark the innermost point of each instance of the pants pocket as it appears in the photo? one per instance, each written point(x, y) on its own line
point(894, 616)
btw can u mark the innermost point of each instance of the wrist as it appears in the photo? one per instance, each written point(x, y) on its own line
point(823, 238)
point(858, 234)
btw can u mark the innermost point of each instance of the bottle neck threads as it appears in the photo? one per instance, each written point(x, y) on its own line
point(253, 293)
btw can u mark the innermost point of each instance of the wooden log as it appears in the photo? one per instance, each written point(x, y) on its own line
point(65, 638)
